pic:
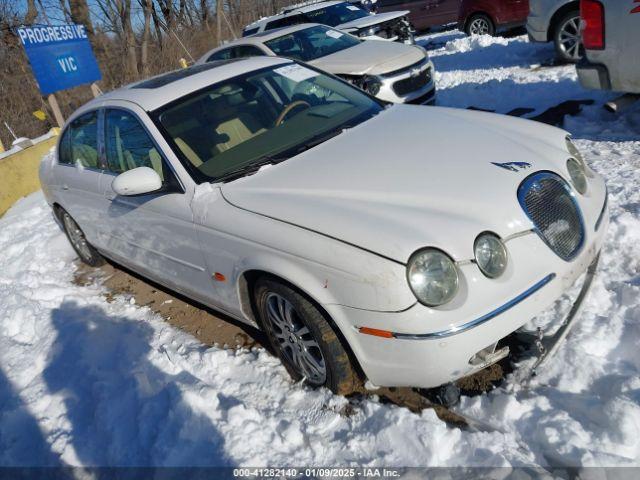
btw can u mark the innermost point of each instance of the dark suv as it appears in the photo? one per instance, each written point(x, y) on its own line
point(487, 17)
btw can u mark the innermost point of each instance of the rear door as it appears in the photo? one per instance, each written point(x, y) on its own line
point(514, 11)
point(152, 233)
point(78, 175)
point(443, 12)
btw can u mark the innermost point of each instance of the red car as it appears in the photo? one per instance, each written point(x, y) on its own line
point(486, 17)
point(423, 14)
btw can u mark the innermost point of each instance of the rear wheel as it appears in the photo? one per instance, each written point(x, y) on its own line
point(303, 338)
point(480, 24)
point(83, 248)
point(566, 38)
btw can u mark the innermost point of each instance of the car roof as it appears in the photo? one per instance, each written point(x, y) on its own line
point(292, 10)
point(260, 38)
point(154, 92)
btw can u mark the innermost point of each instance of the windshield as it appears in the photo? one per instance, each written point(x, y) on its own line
point(311, 43)
point(274, 112)
point(336, 14)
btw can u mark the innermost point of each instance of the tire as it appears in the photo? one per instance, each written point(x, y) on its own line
point(480, 24)
point(87, 253)
point(566, 38)
point(304, 340)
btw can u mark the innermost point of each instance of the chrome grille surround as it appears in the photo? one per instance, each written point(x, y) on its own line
point(550, 204)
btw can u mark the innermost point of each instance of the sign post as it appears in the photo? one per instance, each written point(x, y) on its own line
point(61, 58)
point(55, 108)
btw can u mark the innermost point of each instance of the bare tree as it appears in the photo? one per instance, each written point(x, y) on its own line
point(147, 8)
point(32, 13)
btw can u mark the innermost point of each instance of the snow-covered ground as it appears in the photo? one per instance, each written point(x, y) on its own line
point(88, 382)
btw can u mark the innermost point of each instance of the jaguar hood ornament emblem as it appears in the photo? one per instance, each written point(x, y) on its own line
point(513, 166)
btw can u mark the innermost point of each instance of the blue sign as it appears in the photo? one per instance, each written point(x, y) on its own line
point(60, 56)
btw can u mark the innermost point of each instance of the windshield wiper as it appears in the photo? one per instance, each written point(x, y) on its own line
point(317, 140)
point(249, 169)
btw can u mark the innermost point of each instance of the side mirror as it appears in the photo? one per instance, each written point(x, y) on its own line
point(138, 181)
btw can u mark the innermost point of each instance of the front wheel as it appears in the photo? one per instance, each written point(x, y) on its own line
point(567, 39)
point(83, 248)
point(303, 338)
point(480, 24)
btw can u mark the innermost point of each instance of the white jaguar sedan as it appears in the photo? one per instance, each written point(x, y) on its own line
point(397, 244)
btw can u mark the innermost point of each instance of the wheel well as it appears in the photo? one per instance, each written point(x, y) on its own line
point(57, 209)
point(478, 12)
point(561, 12)
point(246, 286)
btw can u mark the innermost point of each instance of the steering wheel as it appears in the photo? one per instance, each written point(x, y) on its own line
point(286, 110)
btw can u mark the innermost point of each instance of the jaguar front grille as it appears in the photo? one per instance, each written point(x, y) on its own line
point(550, 204)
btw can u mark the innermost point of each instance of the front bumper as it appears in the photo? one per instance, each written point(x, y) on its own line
point(423, 94)
point(537, 29)
point(431, 351)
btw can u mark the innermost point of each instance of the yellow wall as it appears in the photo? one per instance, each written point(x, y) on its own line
point(19, 173)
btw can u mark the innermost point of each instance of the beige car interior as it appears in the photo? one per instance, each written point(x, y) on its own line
point(127, 155)
point(216, 122)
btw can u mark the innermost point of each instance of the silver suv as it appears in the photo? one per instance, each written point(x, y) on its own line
point(557, 21)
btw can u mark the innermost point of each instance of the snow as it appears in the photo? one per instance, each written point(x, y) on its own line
point(84, 381)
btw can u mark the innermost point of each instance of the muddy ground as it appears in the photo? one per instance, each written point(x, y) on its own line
point(216, 329)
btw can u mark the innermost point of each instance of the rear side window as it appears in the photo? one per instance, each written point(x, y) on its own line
point(241, 51)
point(83, 141)
point(250, 31)
point(129, 146)
point(225, 54)
point(285, 22)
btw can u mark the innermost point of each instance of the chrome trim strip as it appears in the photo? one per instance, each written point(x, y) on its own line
point(478, 321)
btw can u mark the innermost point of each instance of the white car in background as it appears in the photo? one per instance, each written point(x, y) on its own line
point(398, 241)
point(341, 15)
point(557, 21)
point(611, 32)
point(388, 70)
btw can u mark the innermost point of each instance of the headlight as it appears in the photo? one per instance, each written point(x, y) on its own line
point(433, 277)
point(575, 153)
point(577, 174)
point(371, 84)
point(573, 150)
point(491, 255)
point(369, 32)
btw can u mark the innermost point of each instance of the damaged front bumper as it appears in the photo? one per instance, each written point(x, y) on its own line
point(547, 346)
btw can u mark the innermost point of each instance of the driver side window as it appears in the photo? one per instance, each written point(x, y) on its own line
point(129, 146)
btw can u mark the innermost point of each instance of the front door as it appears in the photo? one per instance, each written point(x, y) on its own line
point(152, 233)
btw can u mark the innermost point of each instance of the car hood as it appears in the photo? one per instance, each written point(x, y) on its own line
point(372, 57)
point(408, 178)
point(371, 20)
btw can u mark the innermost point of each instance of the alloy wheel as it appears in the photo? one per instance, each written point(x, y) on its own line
point(479, 26)
point(569, 41)
point(77, 237)
point(295, 340)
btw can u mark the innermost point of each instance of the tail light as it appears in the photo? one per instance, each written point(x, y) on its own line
point(592, 16)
